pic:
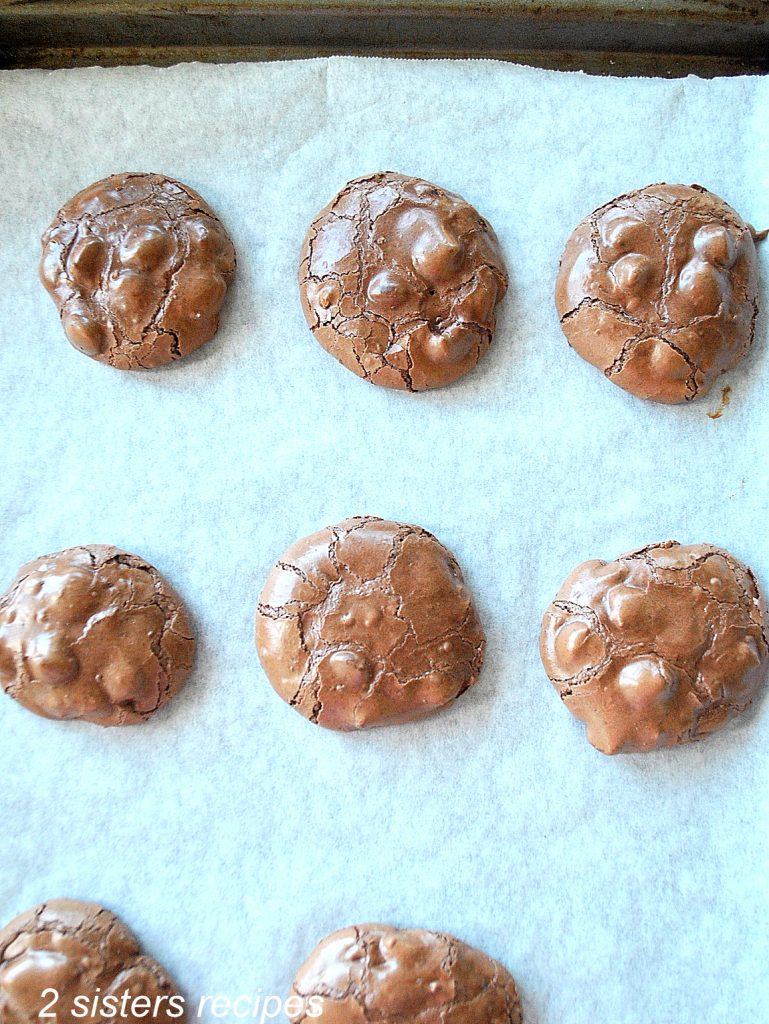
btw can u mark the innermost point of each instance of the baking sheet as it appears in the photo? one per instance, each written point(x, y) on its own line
point(228, 832)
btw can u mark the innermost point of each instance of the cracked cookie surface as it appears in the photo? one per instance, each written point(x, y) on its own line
point(79, 949)
point(93, 633)
point(138, 266)
point(661, 646)
point(399, 280)
point(377, 973)
point(658, 290)
point(368, 623)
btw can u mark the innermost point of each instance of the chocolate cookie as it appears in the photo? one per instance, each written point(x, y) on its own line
point(93, 633)
point(399, 281)
point(138, 266)
point(662, 646)
point(374, 972)
point(368, 623)
point(90, 960)
point(658, 289)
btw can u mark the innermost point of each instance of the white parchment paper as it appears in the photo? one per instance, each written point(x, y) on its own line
point(229, 833)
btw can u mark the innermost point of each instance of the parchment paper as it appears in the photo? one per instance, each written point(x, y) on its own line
point(229, 833)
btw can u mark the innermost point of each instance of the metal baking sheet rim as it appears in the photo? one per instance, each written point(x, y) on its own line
point(708, 37)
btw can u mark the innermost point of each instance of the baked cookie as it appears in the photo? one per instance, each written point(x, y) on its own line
point(368, 623)
point(93, 633)
point(374, 972)
point(78, 961)
point(399, 281)
point(658, 289)
point(138, 266)
point(661, 646)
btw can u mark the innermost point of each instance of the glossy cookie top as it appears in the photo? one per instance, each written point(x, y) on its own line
point(138, 266)
point(659, 647)
point(368, 623)
point(376, 973)
point(658, 289)
point(81, 951)
point(93, 633)
point(399, 280)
